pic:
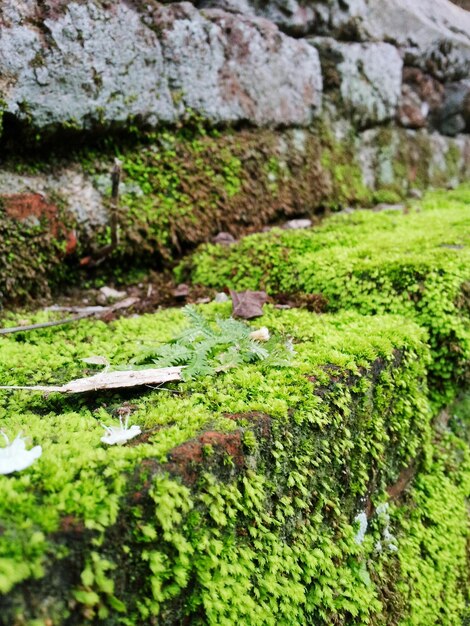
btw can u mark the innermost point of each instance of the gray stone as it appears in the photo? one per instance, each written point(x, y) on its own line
point(223, 238)
point(70, 184)
point(94, 64)
point(401, 159)
point(109, 293)
point(433, 34)
point(454, 116)
point(297, 224)
point(368, 77)
point(221, 297)
point(292, 17)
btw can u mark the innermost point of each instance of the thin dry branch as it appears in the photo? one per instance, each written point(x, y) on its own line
point(109, 380)
point(82, 314)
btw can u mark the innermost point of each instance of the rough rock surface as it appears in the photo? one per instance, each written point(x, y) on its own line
point(402, 158)
point(368, 77)
point(89, 64)
point(454, 115)
point(421, 97)
point(433, 34)
point(69, 185)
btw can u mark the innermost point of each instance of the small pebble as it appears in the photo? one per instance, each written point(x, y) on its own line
point(415, 193)
point(181, 291)
point(298, 224)
point(223, 238)
point(221, 297)
point(112, 294)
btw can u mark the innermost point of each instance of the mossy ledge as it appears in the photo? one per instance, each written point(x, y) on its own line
point(415, 263)
point(237, 503)
point(183, 185)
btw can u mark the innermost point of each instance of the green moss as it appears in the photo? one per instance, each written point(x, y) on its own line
point(415, 264)
point(31, 257)
point(183, 186)
point(434, 527)
point(453, 158)
point(259, 531)
point(338, 158)
point(387, 196)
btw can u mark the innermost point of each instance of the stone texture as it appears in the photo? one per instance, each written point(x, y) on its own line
point(403, 159)
point(68, 185)
point(421, 97)
point(293, 17)
point(94, 64)
point(433, 34)
point(454, 115)
point(368, 77)
point(249, 70)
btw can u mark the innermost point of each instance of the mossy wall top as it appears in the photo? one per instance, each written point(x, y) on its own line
point(416, 263)
point(237, 502)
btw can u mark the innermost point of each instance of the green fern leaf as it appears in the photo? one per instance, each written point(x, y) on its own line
point(172, 354)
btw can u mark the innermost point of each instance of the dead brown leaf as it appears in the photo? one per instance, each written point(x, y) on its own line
point(248, 304)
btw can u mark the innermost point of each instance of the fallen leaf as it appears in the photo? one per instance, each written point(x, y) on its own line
point(248, 304)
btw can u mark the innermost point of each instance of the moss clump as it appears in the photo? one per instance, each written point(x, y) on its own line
point(339, 160)
point(185, 185)
point(434, 526)
point(31, 257)
point(237, 503)
point(416, 264)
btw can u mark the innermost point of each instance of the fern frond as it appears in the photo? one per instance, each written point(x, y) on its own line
point(232, 330)
point(257, 351)
point(199, 327)
point(206, 347)
point(199, 364)
point(229, 359)
point(172, 354)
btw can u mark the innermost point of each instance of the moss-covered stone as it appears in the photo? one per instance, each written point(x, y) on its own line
point(415, 263)
point(184, 185)
point(34, 236)
point(187, 186)
point(237, 503)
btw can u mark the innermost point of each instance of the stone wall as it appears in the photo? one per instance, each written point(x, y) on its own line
point(234, 113)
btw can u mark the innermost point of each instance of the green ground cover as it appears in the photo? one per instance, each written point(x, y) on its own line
point(237, 503)
point(414, 263)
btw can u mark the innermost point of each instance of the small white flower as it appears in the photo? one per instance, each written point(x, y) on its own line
point(121, 433)
point(361, 519)
point(262, 334)
point(14, 457)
